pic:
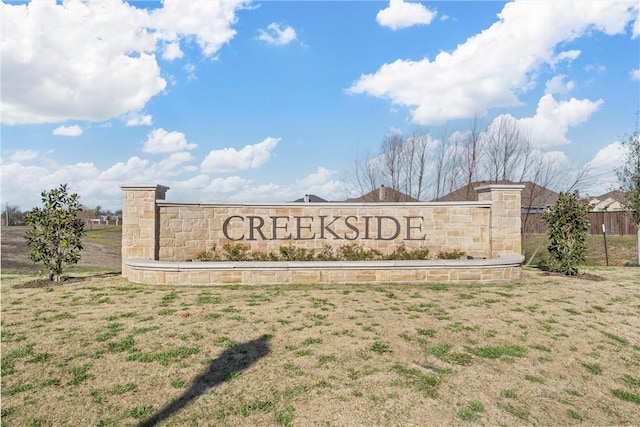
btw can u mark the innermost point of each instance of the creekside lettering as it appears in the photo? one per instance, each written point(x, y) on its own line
point(238, 227)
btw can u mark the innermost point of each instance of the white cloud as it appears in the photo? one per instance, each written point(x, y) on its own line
point(276, 35)
point(595, 68)
point(401, 14)
point(190, 69)
point(635, 74)
point(22, 183)
point(197, 182)
point(173, 165)
point(320, 176)
point(75, 60)
point(79, 60)
point(222, 187)
point(553, 119)
point(602, 170)
point(127, 172)
point(248, 157)
point(172, 51)
point(161, 141)
point(322, 183)
point(74, 130)
point(139, 120)
point(23, 155)
point(490, 69)
point(566, 55)
point(557, 85)
point(260, 193)
point(609, 157)
point(209, 21)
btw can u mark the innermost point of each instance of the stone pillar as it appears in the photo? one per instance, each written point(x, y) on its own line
point(140, 222)
point(505, 219)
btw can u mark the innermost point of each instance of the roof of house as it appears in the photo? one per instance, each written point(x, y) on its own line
point(310, 198)
point(533, 195)
point(615, 194)
point(384, 194)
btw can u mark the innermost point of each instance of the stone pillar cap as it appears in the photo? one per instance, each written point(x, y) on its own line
point(143, 187)
point(499, 187)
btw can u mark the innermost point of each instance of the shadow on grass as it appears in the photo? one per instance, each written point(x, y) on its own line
point(97, 275)
point(232, 361)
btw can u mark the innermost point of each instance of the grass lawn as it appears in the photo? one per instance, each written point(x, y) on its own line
point(620, 249)
point(547, 350)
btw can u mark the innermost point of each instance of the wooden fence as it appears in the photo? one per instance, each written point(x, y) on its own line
point(617, 223)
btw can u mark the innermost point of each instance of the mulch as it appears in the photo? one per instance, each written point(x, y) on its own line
point(46, 283)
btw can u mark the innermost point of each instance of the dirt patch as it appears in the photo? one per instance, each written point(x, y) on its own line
point(14, 255)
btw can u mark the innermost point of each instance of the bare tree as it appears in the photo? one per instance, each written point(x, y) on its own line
point(506, 149)
point(12, 215)
point(470, 156)
point(392, 159)
point(416, 156)
point(400, 164)
point(447, 170)
point(366, 173)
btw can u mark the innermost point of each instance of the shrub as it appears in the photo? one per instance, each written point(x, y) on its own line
point(236, 252)
point(295, 253)
point(349, 252)
point(454, 254)
point(326, 254)
point(567, 226)
point(211, 255)
point(356, 252)
point(264, 256)
point(401, 252)
point(55, 233)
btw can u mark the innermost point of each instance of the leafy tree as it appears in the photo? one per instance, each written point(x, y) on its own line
point(567, 227)
point(629, 179)
point(55, 234)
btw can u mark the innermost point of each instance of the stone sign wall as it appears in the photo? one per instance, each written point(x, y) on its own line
point(155, 229)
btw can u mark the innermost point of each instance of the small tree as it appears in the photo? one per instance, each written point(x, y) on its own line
point(629, 179)
point(567, 227)
point(55, 234)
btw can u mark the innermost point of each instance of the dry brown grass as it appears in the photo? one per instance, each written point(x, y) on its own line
point(545, 351)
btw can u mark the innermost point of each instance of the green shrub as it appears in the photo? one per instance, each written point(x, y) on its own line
point(454, 254)
point(326, 254)
point(401, 252)
point(356, 252)
point(567, 226)
point(349, 252)
point(236, 252)
point(263, 256)
point(295, 253)
point(55, 231)
point(211, 255)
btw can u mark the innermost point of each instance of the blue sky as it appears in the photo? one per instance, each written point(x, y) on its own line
point(268, 101)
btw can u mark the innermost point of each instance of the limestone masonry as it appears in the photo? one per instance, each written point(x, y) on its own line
point(168, 232)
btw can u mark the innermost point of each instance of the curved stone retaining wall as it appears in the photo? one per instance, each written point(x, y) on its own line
point(502, 269)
